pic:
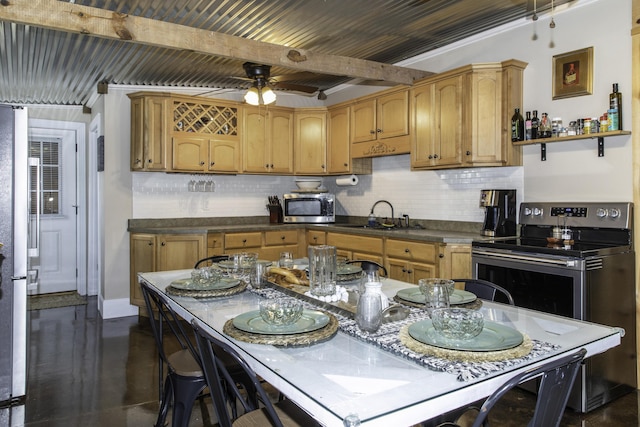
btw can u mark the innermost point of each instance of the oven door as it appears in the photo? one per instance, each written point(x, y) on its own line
point(540, 282)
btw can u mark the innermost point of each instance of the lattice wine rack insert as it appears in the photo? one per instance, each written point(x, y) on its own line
point(204, 118)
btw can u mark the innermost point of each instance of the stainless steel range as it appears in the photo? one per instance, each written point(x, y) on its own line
point(575, 260)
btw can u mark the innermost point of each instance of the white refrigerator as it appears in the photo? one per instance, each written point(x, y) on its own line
point(16, 248)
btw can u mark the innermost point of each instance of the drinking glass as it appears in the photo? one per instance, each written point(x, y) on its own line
point(258, 276)
point(322, 270)
point(436, 293)
point(286, 260)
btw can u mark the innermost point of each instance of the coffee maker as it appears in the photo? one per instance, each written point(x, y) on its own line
point(499, 212)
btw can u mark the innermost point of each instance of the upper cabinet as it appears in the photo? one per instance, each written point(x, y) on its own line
point(149, 131)
point(311, 142)
point(461, 118)
point(267, 140)
point(380, 124)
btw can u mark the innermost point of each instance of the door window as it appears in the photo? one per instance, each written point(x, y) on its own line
point(47, 150)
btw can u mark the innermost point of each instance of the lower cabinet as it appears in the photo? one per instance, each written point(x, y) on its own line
point(411, 261)
point(315, 237)
point(160, 252)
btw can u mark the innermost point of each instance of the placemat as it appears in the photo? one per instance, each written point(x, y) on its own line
point(206, 293)
point(288, 340)
point(465, 356)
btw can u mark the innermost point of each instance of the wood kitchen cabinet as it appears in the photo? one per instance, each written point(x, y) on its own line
point(201, 154)
point(380, 125)
point(461, 118)
point(357, 247)
point(279, 241)
point(149, 131)
point(267, 140)
point(315, 237)
point(160, 252)
point(241, 242)
point(311, 142)
point(339, 159)
point(411, 261)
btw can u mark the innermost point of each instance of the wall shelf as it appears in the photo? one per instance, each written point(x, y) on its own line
point(599, 136)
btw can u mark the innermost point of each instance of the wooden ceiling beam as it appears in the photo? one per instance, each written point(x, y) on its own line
point(69, 17)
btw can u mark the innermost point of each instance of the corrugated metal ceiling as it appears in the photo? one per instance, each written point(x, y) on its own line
point(52, 67)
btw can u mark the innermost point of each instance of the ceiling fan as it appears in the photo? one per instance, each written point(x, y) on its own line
point(261, 89)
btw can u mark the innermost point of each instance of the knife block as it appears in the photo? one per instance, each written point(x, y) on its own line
point(275, 214)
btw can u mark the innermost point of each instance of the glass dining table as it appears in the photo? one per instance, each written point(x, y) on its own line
point(347, 375)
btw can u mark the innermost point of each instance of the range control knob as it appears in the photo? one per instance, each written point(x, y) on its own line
point(614, 213)
point(537, 212)
point(527, 211)
point(601, 213)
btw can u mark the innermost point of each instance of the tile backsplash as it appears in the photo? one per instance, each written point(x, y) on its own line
point(436, 195)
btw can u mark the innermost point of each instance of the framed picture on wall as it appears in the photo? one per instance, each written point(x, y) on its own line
point(573, 73)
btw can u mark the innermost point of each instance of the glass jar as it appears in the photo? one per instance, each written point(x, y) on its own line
point(572, 129)
point(556, 126)
point(369, 310)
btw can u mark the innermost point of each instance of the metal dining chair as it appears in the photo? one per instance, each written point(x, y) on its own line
point(184, 381)
point(258, 409)
point(555, 383)
point(368, 265)
point(485, 290)
point(211, 260)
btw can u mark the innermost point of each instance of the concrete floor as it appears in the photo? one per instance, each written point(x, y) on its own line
point(85, 371)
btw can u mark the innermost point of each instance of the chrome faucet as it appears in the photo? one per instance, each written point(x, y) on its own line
point(383, 201)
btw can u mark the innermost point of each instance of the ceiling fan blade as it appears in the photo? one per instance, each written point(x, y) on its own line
point(294, 87)
point(302, 75)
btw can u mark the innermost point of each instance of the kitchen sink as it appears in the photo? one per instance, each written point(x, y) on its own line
point(380, 227)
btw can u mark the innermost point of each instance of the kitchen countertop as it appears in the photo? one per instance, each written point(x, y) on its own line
point(209, 225)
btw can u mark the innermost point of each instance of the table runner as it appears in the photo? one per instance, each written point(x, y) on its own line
point(388, 339)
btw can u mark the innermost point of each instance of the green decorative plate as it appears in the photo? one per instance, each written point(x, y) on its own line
point(349, 269)
point(310, 320)
point(493, 337)
point(188, 285)
point(457, 297)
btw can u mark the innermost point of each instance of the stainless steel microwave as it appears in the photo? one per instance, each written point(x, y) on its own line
point(316, 208)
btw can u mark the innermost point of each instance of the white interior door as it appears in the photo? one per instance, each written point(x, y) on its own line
point(57, 262)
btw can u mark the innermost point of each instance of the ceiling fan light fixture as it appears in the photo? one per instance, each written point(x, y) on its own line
point(260, 93)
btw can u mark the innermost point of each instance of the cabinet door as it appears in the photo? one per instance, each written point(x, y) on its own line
point(180, 251)
point(311, 143)
point(485, 127)
point(363, 121)
point(137, 133)
point(398, 269)
point(423, 131)
point(254, 140)
point(338, 147)
point(189, 153)
point(280, 141)
point(448, 121)
point(142, 259)
point(224, 156)
point(419, 271)
point(393, 115)
point(316, 237)
point(455, 261)
point(156, 138)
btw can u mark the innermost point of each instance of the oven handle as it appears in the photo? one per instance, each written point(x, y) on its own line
point(526, 258)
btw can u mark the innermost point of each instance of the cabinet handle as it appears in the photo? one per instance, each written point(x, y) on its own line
point(322, 166)
point(346, 165)
point(409, 271)
point(282, 237)
point(441, 256)
point(162, 244)
point(435, 156)
point(202, 163)
point(468, 153)
point(149, 161)
point(404, 270)
point(138, 161)
point(406, 251)
point(267, 166)
point(379, 130)
point(372, 132)
point(150, 243)
point(315, 239)
point(244, 240)
point(430, 157)
point(213, 163)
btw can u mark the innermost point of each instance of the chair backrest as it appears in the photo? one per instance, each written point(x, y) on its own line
point(485, 289)
point(162, 318)
point(368, 265)
point(220, 379)
point(211, 260)
point(556, 381)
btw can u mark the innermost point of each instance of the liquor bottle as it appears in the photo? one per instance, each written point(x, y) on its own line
point(517, 126)
point(615, 104)
point(527, 126)
point(545, 126)
point(535, 125)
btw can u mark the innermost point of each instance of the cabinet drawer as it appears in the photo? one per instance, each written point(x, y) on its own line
point(274, 238)
point(316, 237)
point(355, 243)
point(242, 240)
point(414, 251)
